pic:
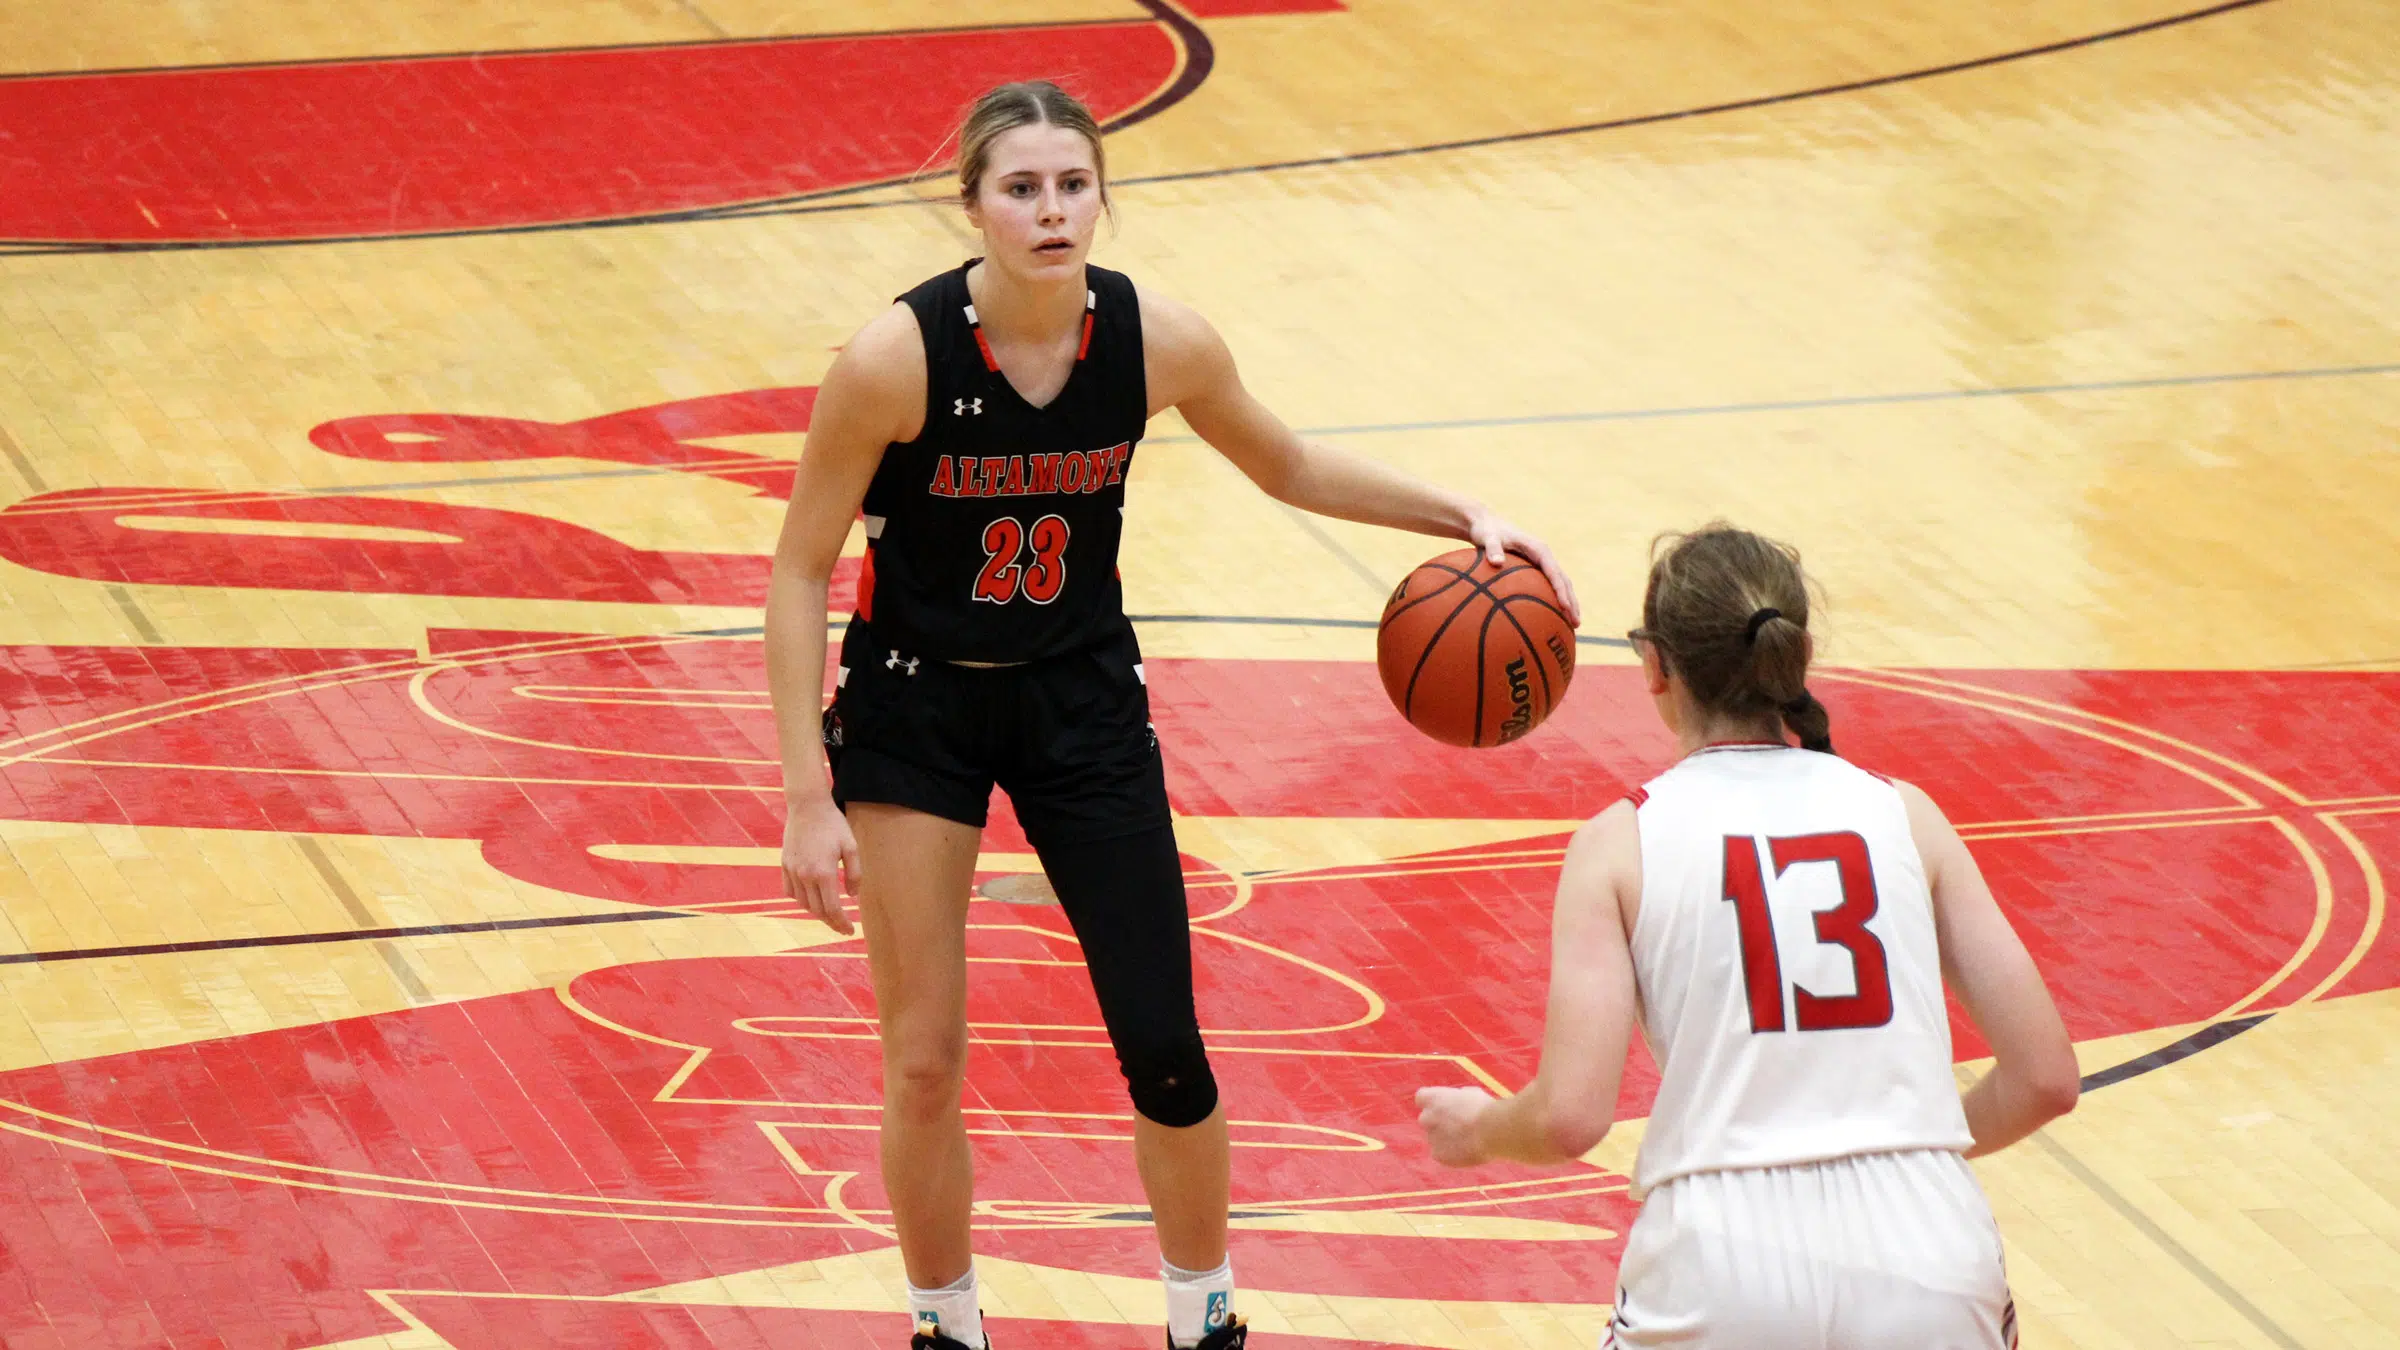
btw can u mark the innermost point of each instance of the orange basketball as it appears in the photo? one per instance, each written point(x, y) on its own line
point(1474, 654)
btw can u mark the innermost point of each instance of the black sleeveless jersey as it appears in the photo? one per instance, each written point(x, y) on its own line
point(993, 535)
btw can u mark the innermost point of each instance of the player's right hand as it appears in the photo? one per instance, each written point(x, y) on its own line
point(817, 839)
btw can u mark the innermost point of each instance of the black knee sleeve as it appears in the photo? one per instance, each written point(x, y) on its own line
point(1125, 898)
point(1170, 1083)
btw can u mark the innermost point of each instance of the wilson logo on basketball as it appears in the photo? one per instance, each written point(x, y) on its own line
point(1520, 697)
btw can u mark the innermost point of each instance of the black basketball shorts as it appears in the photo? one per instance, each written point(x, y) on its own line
point(1068, 738)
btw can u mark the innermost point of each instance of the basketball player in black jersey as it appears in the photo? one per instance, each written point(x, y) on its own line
point(985, 424)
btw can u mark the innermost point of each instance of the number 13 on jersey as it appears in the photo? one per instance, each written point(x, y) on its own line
point(1844, 926)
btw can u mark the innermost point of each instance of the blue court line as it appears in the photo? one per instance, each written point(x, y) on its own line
point(1846, 401)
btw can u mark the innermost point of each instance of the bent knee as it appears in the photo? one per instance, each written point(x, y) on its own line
point(1170, 1081)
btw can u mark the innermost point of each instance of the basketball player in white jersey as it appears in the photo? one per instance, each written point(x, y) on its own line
point(1782, 924)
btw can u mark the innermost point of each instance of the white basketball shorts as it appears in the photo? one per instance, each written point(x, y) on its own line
point(1882, 1251)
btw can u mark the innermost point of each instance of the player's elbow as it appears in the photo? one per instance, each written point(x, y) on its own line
point(1570, 1132)
point(2056, 1088)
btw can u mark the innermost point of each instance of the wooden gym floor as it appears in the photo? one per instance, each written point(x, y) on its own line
point(396, 407)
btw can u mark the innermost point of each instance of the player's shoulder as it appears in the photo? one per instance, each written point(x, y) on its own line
point(876, 385)
point(885, 356)
point(1181, 349)
point(1617, 830)
point(1168, 324)
point(892, 335)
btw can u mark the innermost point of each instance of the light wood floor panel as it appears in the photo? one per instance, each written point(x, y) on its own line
point(2087, 361)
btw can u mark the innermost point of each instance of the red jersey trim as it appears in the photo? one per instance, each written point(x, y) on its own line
point(1638, 796)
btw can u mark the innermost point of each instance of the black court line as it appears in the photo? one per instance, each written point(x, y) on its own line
point(1260, 620)
point(1643, 119)
point(1199, 59)
point(1196, 41)
point(2212, 1035)
point(1732, 105)
point(166, 504)
point(2216, 1033)
point(344, 935)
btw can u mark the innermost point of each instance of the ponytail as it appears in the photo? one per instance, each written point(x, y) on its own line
point(1809, 721)
point(1731, 610)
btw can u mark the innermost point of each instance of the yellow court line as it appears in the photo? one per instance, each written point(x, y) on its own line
point(1374, 1001)
point(1282, 878)
point(1435, 858)
point(1965, 826)
point(2134, 827)
point(324, 679)
point(425, 705)
point(171, 497)
point(2256, 775)
point(2240, 797)
point(1422, 1056)
point(2375, 910)
point(606, 1212)
point(2317, 927)
point(1616, 1188)
point(409, 775)
point(257, 1160)
point(834, 1201)
point(1364, 1144)
point(1244, 887)
point(1422, 1194)
point(683, 1072)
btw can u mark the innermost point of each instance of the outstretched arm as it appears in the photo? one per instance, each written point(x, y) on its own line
point(1568, 1107)
point(2033, 1079)
point(1191, 370)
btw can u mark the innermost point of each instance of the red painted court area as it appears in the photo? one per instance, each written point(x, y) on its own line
point(2156, 836)
point(431, 144)
point(2177, 848)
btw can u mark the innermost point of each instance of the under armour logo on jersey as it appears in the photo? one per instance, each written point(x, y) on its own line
point(906, 665)
point(967, 405)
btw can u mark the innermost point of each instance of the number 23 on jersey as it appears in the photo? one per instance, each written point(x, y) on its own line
point(1844, 926)
point(1007, 573)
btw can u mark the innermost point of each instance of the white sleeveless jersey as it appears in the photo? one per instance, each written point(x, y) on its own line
point(1791, 987)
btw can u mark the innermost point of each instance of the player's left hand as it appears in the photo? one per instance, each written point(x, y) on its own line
point(1449, 1116)
point(1497, 538)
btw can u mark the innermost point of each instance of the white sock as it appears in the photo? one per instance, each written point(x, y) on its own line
point(1198, 1301)
point(952, 1309)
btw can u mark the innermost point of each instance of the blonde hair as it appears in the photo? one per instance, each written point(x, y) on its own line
point(1023, 104)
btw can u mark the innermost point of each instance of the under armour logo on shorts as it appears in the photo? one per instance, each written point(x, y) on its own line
point(905, 665)
point(967, 405)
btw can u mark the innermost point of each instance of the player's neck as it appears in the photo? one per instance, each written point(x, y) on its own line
point(1701, 733)
point(1015, 309)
